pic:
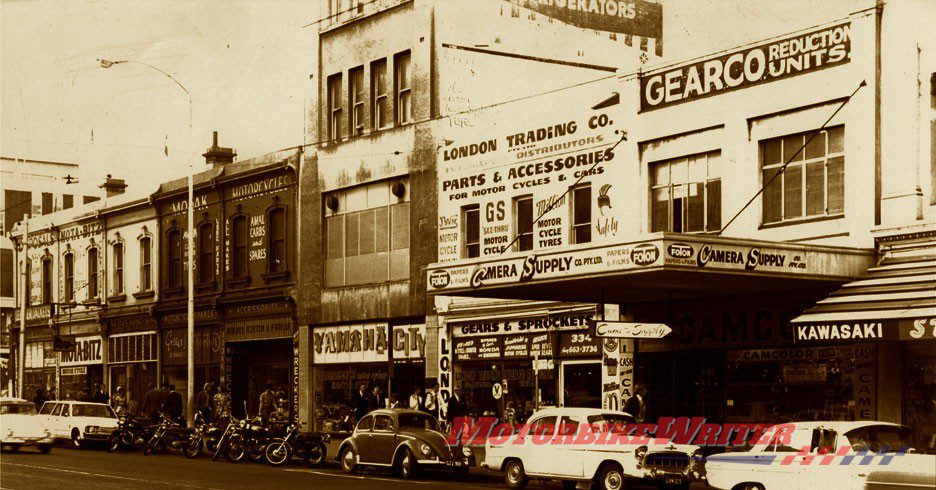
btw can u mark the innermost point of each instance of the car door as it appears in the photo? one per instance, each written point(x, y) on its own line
point(787, 461)
point(567, 457)
point(382, 440)
point(362, 435)
point(65, 417)
point(537, 452)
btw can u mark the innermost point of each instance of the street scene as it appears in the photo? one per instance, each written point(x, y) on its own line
point(468, 244)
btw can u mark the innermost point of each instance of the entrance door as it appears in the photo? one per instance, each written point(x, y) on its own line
point(581, 384)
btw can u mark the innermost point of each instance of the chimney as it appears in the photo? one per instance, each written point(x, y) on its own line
point(112, 186)
point(217, 156)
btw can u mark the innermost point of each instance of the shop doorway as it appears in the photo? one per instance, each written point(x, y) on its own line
point(135, 378)
point(253, 366)
point(581, 384)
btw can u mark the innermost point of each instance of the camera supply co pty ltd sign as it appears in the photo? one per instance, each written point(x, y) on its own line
point(773, 60)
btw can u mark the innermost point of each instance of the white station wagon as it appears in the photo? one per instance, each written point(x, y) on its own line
point(21, 427)
point(814, 455)
point(79, 422)
point(553, 446)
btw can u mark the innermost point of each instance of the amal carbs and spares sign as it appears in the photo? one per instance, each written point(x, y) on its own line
point(774, 60)
point(351, 343)
point(526, 150)
point(88, 350)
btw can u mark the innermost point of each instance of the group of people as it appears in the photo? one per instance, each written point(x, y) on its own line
point(363, 401)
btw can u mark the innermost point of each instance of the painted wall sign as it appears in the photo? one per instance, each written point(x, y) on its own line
point(209, 346)
point(630, 330)
point(579, 344)
point(350, 343)
point(258, 329)
point(634, 17)
point(774, 60)
point(87, 351)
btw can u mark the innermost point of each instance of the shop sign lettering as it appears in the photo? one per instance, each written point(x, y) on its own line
point(840, 331)
point(273, 328)
point(87, 351)
point(521, 325)
point(198, 202)
point(920, 329)
point(259, 187)
point(445, 368)
point(634, 17)
point(350, 343)
point(409, 341)
point(775, 60)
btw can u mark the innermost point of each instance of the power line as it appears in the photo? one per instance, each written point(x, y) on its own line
point(793, 156)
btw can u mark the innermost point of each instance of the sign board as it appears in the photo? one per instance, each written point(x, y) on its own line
point(579, 344)
point(543, 365)
point(75, 371)
point(631, 330)
point(531, 324)
point(409, 341)
point(632, 17)
point(903, 329)
point(87, 351)
point(497, 391)
point(367, 342)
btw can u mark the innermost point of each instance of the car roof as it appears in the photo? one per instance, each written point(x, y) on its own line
point(578, 411)
point(76, 402)
point(395, 411)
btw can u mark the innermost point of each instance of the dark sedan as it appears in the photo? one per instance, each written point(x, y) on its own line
point(405, 441)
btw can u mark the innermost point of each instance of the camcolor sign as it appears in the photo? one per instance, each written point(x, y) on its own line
point(783, 58)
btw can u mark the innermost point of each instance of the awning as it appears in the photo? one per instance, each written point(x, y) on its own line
point(893, 301)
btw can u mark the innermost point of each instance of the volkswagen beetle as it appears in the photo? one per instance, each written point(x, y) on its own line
point(403, 440)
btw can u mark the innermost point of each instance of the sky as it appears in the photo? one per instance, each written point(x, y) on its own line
point(246, 67)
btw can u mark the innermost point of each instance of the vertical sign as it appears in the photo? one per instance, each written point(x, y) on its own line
point(295, 378)
point(445, 367)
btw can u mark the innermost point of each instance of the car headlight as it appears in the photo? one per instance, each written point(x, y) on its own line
point(47, 432)
point(425, 449)
point(641, 452)
point(466, 451)
point(9, 432)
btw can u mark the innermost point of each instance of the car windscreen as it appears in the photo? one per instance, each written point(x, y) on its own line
point(879, 438)
point(417, 421)
point(19, 408)
point(80, 410)
point(609, 422)
point(47, 408)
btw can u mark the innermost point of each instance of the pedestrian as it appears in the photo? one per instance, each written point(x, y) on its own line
point(393, 402)
point(636, 405)
point(430, 402)
point(267, 403)
point(40, 398)
point(133, 406)
point(376, 400)
point(119, 401)
point(100, 394)
point(173, 404)
point(455, 407)
point(203, 401)
point(152, 402)
point(416, 400)
point(359, 402)
point(221, 406)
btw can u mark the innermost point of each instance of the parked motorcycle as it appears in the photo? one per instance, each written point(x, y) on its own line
point(130, 433)
point(203, 436)
point(168, 434)
point(309, 445)
point(243, 438)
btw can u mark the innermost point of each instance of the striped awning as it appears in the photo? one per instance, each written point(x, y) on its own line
point(893, 301)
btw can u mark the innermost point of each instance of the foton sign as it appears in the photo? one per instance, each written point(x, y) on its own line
point(87, 351)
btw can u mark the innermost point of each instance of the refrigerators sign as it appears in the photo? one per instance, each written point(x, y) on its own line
point(87, 351)
point(634, 17)
point(788, 57)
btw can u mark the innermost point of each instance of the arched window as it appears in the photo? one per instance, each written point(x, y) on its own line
point(239, 247)
point(118, 252)
point(46, 280)
point(93, 273)
point(276, 255)
point(69, 270)
point(146, 264)
point(206, 240)
point(174, 262)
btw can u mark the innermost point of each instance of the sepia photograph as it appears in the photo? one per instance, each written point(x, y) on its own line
point(468, 244)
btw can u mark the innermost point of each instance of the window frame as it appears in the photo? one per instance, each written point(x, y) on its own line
point(801, 165)
point(378, 69)
point(712, 159)
point(118, 253)
point(94, 286)
point(518, 234)
point(240, 244)
point(467, 210)
point(68, 271)
point(146, 263)
point(206, 279)
point(333, 99)
point(46, 277)
point(402, 91)
point(356, 101)
point(573, 206)
point(272, 240)
point(174, 276)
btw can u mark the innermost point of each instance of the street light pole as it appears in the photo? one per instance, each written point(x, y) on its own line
point(190, 337)
point(24, 298)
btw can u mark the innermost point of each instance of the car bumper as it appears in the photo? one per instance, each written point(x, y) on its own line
point(98, 433)
point(447, 464)
point(27, 441)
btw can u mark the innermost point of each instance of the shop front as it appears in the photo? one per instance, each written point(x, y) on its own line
point(132, 351)
point(82, 368)
point(258, 352)
point(173, 349)
point(369, 355)
point(39, 369)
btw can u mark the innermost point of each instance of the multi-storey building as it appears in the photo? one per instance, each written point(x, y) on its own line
point(389, 78)
point(721, 197)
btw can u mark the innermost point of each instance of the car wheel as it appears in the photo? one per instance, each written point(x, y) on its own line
point(569, 484)
point(315, 456)
point(76, 439)
point(408, 466)
point(45, 448)
point(349, 460)
point(514, 475)
point(612, 478)
point(749, 486)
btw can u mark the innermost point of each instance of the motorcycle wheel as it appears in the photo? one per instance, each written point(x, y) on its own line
point(277, 453)
point(315, 455)
point(256, 452)
point(234, 451)
point(192, 447)
point(219, 447)
point(113, 442)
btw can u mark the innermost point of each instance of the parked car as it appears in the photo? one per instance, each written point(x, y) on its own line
point(20, 426)
point(552, 446)
point(404, 440)
point(812, 455)
point(79, 422)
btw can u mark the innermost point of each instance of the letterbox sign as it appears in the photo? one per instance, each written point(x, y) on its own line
point(88, 350)
point(787, 57)
point(350, 343)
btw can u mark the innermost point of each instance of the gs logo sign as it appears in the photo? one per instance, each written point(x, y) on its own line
point(645, 254)
point(439, 279)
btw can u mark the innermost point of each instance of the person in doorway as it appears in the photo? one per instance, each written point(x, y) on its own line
point(416, 400)
point(455, 407)
point(133, 406)
point(221, 406)
point(39, 399)
point(359, 402)
point(173, 404)
point(203, 401)
point(267, 403)
point(100, 394)
point(430, 402)
point(119, 401)
point(376, 400)
point(152, 402)
point(637, 405)
point(84, 395)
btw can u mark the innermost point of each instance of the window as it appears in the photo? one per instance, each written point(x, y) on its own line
point(813, 184)
point(581, 214)
point(686, 194)
point(46, 281)
point(366, 424)
point(471, 230)
point(206, 253)
point(68, 201)
point(404, 88)
point(174, 277)
point(146, 264)
point(380, 102)
point(544, 427)
point(334, 107)
point(69, 266)
point(92, 273)
point(28, 285)
point(276, 255)
point(356, 93)
point(523, 212)
point(118, 250)
point(239, 246)
point(383, 423)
